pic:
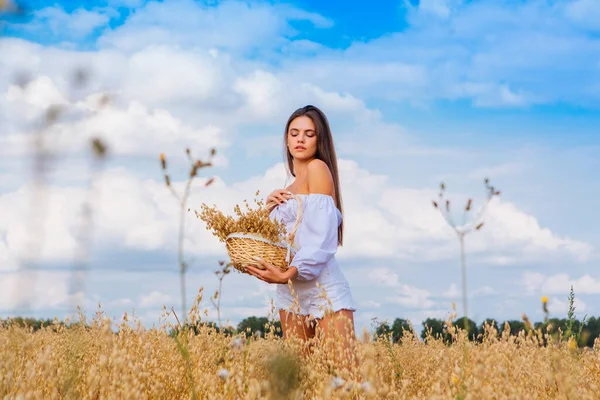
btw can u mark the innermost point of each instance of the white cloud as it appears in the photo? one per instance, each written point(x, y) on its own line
point(439, 8)
point(75, 25)
point(402, 223)
point(560, 307)
point(454, 55)
point(155, 299)
point(133, 129)
point(40, 94)
point(458, 55)
point(370, 304)
point(126, 3)
point(233, 26)
point(452, 292)
point(584, 12)
point(383, 277)
point(38, 290)
point(561, 283)
point(260, 90)
point(382, 221)
point(484, 291)
point(508, 228)
point(412, 297)
point(532, 281)
point(163, 75)
point(123, 302)
point(200, 102)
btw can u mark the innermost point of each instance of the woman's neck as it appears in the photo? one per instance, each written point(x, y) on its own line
point(301, 169)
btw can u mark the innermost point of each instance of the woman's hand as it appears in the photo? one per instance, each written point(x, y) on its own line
point(277, 196)
point(271, 274)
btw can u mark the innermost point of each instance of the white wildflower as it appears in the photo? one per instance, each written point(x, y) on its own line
point(223, 373)
point(337, 382)
point(237, 343)
point(366, 387)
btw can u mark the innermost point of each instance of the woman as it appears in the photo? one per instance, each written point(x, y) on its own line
point(312, 294)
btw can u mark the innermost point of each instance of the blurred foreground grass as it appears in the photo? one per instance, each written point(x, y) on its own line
point(94, 360)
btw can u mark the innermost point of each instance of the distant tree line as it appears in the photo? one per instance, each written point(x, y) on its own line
point(31, 323)
point(586, 332)
point(251, 326)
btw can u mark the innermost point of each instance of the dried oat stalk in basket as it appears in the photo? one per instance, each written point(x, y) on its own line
point(248, 220)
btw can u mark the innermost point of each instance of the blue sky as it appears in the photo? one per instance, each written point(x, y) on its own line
point(416, 91)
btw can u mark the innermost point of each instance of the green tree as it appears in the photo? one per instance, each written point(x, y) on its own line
point(437, 327)
point(489, 322)
point(383, 329)
point(31, 323)
point(196, 328)
point(399, 328)
point(468, 325)
point(251, 325)
point(515, 326)
point(591, 331)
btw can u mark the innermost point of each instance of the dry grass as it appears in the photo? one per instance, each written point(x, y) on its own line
point(98, 361)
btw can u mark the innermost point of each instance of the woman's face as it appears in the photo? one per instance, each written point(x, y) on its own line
point(302, 138)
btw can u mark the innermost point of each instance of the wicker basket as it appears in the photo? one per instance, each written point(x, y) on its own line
point(244, 247)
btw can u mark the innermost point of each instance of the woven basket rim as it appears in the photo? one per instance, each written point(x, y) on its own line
point(242, 235)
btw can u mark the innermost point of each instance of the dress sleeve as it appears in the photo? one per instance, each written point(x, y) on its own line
point(317, 237)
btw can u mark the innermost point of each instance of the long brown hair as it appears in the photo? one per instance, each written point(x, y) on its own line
point(325, 152)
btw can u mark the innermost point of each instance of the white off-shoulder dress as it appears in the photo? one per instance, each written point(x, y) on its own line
point(316, 242)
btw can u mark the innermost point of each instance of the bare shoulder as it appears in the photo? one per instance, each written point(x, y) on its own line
point(319, 178)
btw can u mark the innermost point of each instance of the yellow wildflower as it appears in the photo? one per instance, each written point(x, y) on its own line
point(163, 160)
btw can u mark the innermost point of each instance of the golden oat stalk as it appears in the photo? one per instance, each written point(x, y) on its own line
point(195, 165)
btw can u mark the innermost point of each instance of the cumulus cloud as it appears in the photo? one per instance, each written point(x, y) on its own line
point(133, 129)
point(484, 291)
point(403, 224)
point(560, 307)
point(584, 13)
point(155, 299)
point(445, 54)
point(74, 25)
point(383, 277)
point(412, 297)
point(382, 221)
point(38, 290)
point(230, 26)
point(537, 283)
point(439, 8)
point(452, 292)
point(494, 54)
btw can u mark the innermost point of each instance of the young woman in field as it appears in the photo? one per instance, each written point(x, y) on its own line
point(313, 296)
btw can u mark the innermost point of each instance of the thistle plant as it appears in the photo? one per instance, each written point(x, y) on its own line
point(572, 321)
point(467, 226)
point(571, 311)
point(195, 166)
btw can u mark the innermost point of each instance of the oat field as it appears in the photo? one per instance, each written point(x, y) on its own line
point(102, 360)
